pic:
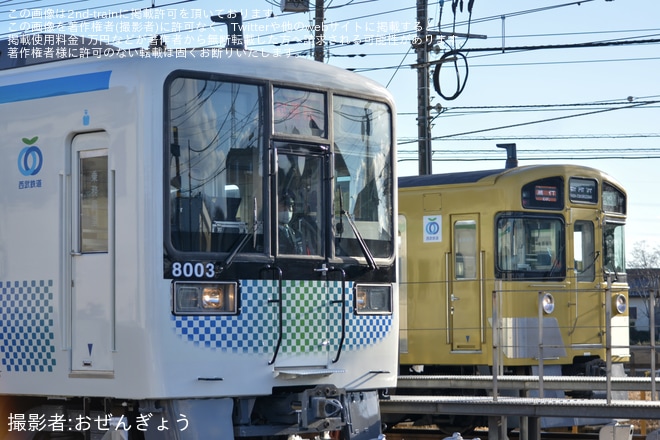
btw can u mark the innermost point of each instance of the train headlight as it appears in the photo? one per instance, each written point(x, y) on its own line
point(199, 298)
point(372, 299)
point(548, 303)
point(620, 303)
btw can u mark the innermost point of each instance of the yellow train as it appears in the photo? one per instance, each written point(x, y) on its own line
point(508, 249)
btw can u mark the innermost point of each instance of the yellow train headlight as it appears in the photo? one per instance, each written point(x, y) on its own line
point(373, 299)
point(619, 303)
point(548, 303)
point(200, 298)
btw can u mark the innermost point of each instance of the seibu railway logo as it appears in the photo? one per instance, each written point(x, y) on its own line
point(30, 161)
point(30, 158)
point(432, 229)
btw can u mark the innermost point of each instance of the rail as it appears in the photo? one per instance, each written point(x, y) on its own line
point(505, 396)
point(528, 383)
point(522, 407)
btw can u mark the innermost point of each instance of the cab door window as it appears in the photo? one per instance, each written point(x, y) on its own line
point(300, 198)
point(584, 251)
point(465, 249)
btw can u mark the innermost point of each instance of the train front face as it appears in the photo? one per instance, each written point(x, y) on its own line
point(279, 246)
point(511, 249)
point(560, 262)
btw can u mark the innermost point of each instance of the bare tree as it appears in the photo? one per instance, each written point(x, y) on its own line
point(643, 257)
point(644, 277)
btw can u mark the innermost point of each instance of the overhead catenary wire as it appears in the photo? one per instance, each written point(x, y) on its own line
point(582, 153)
point(348, 4)
point(521, 124)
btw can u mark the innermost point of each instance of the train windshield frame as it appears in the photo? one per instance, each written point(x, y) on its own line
point(530, 246)
point(230, 142)
point(363, 178)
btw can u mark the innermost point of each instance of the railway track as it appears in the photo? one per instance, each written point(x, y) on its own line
point(482, 434)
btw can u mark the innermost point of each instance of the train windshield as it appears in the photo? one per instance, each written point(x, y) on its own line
point(215, 164)
point(614, 202)
point(363, 181)
point(530, 247)
point(614, 248)
point(334, 175)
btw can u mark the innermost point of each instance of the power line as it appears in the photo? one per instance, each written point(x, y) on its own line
point(518, 64)
point(554, 137)
point(521, 124)
point(535, 155)
point(563, 46)
point(457, 111)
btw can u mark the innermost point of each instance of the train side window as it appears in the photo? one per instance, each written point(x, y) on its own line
point(465, 249)
point(403, 285)
point(584, 251)
point(93, 175)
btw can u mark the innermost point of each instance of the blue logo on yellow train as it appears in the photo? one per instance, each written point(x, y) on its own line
point(30, 158)
point(432, 229)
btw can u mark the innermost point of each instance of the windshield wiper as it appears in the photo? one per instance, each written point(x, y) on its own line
point(240, 244)
point(363, 245)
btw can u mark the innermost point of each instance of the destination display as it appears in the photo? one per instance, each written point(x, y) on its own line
point(583, 190)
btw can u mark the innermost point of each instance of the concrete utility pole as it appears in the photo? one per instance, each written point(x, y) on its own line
point(423, 43)
point(319, 30)
point(319, 35)
point(423, 97)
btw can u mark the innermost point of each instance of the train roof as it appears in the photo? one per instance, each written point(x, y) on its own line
point(249, 64)
point(446, 179)
point(495, 174)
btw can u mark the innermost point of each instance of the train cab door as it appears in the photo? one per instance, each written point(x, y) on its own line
point(465, 296)
point(91, 256)
point(308, 334)
point(585, 320)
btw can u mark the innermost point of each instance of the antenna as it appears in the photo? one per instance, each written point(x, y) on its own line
point(234, 22)
point(511, 155)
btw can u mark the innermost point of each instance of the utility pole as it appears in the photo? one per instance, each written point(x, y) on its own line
point(423, 43)
point(423, 98)
point(319, 37)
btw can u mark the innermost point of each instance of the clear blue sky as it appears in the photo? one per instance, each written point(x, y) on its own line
point(506, 93)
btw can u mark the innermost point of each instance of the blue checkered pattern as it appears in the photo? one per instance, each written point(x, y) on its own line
point(26, 326)
point(253, 331)
point(305, 321)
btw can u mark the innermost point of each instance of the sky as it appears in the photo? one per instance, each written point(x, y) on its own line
point(593, 106)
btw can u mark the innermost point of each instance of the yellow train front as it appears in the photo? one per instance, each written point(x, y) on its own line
point(506, 249)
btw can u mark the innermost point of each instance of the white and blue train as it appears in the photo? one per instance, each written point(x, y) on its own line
point(146, 287)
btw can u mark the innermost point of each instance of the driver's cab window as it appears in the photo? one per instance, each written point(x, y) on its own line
point(299, 201)
point(214, 164)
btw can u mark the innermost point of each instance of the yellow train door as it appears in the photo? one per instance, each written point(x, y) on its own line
point(465, 287)
point(586, 323)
